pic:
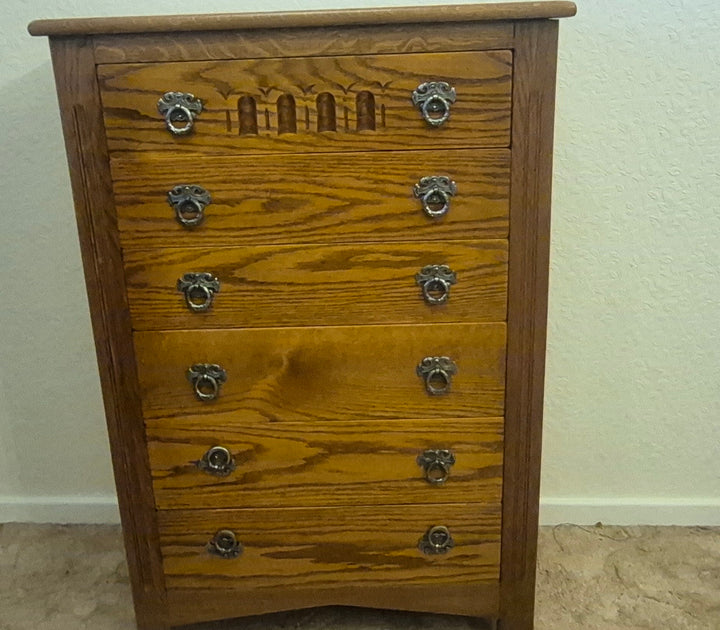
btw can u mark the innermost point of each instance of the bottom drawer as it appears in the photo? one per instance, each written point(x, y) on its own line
point(333, 555)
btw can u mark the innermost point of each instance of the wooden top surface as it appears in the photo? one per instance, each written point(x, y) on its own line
point(296, 19)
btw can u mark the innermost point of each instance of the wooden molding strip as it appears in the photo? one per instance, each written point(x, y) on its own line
point(296, 19)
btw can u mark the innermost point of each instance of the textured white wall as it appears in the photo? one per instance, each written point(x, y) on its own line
point(633, 401)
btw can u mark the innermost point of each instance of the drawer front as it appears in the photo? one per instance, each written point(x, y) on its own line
point(312, 198)
point(317, 285)
point(339, 463)
point(330, 373)
point(330, 548)
point(310, 104)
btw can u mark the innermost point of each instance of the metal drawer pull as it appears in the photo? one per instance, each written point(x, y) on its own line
point(437, 373)
point(436, 464)
point(206, 379)
point(436, 281)
point(217, 461)
point(179, 110)
point(434, 192)
point(225, 544)
point(436, 540)
point(199, 289)
point(433, 99)
point(189, 202)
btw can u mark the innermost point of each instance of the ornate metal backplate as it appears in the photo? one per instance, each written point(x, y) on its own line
point(179, 110)
point(217, 461)
point(436, 540)
point(433, 99)
point(436, 370)
point(436, 463)
point(436, 281)
point(435, 191)
point(199, 288)
point(189, 202)
point(225, 544)
point(206, 379)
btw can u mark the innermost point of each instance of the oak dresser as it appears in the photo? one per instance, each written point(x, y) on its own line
point(316, 251)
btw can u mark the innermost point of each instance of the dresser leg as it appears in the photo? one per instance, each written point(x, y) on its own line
point(151, 619)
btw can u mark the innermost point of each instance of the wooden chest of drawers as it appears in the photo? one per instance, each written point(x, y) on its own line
point(316, 251)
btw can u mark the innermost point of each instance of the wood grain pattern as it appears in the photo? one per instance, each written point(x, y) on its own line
point(533, 102)
point(327, 380)
point(330, 548)
point(338, 463)
point(333, 373)
point(296, 19)
point(302, 42)
point(191, 605)
point(304, 285)
point(312, 198)
point(480, 117)
point(78, 96)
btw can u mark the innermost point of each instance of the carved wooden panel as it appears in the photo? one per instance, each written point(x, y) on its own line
point(310, 104)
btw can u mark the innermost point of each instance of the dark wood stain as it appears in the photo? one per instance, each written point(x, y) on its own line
point(533, 98)
point(78, 95)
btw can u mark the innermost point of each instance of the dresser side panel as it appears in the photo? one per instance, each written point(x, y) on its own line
point(530, 198)
point(79, 99)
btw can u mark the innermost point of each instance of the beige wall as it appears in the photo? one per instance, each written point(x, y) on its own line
point(633, 391)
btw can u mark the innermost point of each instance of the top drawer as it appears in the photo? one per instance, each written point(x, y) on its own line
point(311, 104)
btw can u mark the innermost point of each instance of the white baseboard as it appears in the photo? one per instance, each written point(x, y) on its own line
point(553, 510)
point(59, 509)
point(630, 511)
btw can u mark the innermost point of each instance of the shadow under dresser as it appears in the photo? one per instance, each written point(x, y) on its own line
point(316, 252)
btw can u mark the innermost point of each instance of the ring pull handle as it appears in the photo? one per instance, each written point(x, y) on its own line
point(206, 379)
point(437, 372)
point(434, 99)
point(437, 540)
point(189, 202)
point(199, 289)
point(225, 544)
point(436, 463)
point(436, 281)
point(179, 110)
point(217, 461)
point(434, 193)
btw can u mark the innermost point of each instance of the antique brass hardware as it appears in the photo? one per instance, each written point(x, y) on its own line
point(225, 544)
point(436, 540)
point(179, 110)
point(206, 379)
point(199, 289)
point(433, 99)
point(437, 372)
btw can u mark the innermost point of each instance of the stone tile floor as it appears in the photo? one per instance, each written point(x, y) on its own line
point(55, 577)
